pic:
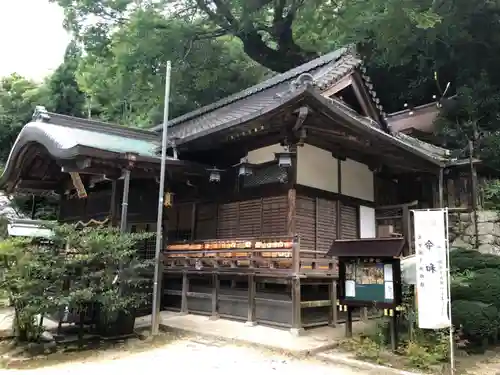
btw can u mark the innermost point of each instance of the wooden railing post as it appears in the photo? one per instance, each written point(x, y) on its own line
point(184, 295)
point(215, 296)
point(251, 301)
point(333, 317)
point(296, 329)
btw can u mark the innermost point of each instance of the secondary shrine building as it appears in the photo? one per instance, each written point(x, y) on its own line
point(259, 186)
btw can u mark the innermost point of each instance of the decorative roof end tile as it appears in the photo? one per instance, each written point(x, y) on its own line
point(40, 114)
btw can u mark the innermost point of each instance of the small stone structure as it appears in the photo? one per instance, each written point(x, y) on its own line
point(463, 231)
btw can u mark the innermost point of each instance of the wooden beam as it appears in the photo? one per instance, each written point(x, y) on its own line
point(38, 184)
point(364, 98)
point(338, 86)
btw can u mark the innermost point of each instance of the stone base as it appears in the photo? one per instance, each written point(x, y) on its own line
point(297, 331)
point(214, 317)
point(250, 324)
point(183, 313)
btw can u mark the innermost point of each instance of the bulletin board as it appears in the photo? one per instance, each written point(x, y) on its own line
point(370, 281)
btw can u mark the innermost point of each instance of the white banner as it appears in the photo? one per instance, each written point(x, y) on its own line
point(432, 274)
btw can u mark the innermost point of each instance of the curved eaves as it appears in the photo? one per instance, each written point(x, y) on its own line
point(31, 133)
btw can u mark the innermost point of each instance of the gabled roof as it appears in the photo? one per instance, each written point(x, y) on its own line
point(252, 102)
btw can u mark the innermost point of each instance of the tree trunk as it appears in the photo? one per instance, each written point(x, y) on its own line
point(288, 55)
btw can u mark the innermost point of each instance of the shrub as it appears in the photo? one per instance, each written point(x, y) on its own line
point(472, 260)
point(482, 286)
point(478, 322)
point(77, 269)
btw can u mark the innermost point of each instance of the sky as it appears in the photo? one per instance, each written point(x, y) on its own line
point(32, 39)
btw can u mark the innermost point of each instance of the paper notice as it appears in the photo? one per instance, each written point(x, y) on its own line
point(350, 288)
point(388, 272)
point(388, 290)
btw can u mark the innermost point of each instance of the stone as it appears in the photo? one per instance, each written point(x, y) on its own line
point(6, 209)
point(46, 337)
point(459, 243)
point(487, 217)
point(465, 217)
point(486, 239)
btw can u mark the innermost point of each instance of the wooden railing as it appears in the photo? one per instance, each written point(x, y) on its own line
point(265, 256)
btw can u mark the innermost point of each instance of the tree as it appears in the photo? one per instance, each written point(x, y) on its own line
point(278, 34)
point(18, 98)
point(126, 85)
point(65, 95)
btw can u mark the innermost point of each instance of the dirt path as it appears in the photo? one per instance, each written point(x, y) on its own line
point(191, 355)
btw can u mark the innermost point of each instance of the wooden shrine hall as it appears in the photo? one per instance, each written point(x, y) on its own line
point(259, 186)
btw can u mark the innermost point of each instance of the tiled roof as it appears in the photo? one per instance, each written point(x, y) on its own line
point(252, 102)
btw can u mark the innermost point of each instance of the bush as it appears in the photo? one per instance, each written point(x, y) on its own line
point(478, 322)
point(79, 270)
point(481, 286)
point(472, 260)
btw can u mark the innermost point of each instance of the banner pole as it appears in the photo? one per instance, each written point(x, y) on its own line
point(452, 341)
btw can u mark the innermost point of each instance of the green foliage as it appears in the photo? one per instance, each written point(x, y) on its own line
point(78, 268)
point(18, 98)
point(483, 286)
point(492, 195)
point(126, 85)
point(478, 322)
point(66, 97)
point(427, 350)
point(471, 260)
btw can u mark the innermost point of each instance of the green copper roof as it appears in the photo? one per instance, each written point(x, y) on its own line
point(67, 138)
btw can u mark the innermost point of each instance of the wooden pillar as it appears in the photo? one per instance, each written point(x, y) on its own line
point(215, 296)
point(126, 186)
point(184, 293)
point(348, 322)
point(473, 193)
point(193, 221)
point(33, 206)
point(112, 204)
point(333, 316)
point(407, 229)
point(291, 216)
point(441, 188)
point(394, 331)
point(338, 207)
point(296, 329)
point(251, 301)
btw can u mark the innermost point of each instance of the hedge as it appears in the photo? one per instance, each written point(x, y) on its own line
point(472, 260)
point(479, 322)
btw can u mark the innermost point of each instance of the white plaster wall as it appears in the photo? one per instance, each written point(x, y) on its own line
point(367, 225)
point(357, 180)
point(264, 154)
point(317, 168)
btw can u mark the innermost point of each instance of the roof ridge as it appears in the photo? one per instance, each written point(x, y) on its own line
point(100, 126)
point(266, 84)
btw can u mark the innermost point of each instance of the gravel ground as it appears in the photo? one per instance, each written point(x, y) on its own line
point(190, 356)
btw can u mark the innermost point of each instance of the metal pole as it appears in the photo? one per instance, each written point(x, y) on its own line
point(155, 314)
point(452, 339)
